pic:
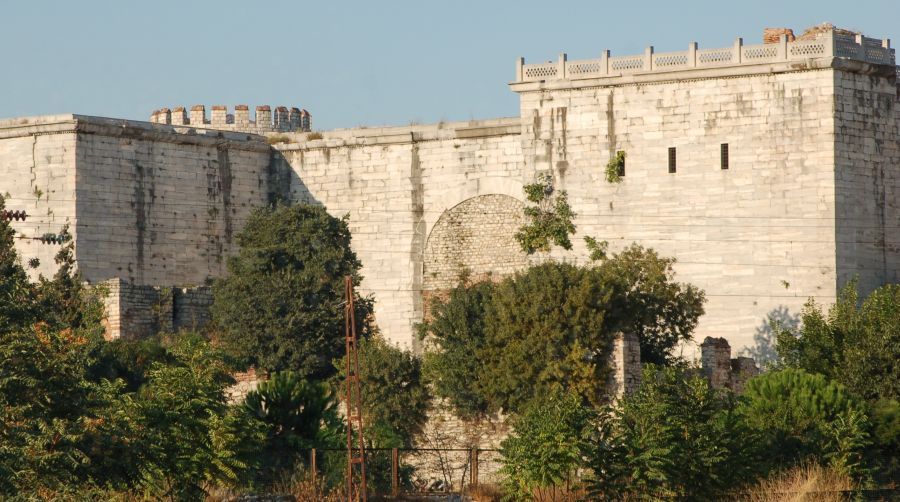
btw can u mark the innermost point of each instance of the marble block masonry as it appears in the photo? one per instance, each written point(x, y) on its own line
point(770, 172)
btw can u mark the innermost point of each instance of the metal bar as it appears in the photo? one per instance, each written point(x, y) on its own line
point(353, 402)
point(395, 472)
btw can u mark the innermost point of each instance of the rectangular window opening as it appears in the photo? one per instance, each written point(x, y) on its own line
point(723, 151)
point(621, 169)
point(672, 166)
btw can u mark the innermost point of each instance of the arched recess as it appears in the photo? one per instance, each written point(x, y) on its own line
point(449, 197)
point(474, 238)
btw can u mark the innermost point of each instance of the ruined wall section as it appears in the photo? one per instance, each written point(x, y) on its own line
point(37, 175)
point(867, 175)
point(756, 236)
point(156, 207)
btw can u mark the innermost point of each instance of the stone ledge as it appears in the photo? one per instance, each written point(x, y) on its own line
point(121, 128)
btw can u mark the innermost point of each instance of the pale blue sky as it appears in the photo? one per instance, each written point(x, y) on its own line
point(352, 63)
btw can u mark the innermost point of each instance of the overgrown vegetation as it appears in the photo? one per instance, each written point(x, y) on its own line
point(549, 217)
point(496, 346)
point(83, 418)
point(674, 439)
point(615, 168)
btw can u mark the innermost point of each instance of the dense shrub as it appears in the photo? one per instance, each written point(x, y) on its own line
point(298, 415)
point(395, 396)
point(856, 344)
point(801, 416)
point(674, 439)
point(549, 444)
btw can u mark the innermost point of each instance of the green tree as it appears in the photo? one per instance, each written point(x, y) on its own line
point(674, 439)
point(855, 344)
point(298, 415)
point(549, 218)
point(496, 346)
point(16, 293)
point(545, 330)
point(646, 300)
point(189, 435)
point(395, 396)
point(548, 446)
point(281, 306)
point(57, 425)
point(52, 418)
point(801, 415)
point(457, 333)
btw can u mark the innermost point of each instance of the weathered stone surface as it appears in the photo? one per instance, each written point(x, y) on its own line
point(807, 201)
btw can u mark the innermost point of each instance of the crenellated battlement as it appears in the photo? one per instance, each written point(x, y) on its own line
point(283, 119)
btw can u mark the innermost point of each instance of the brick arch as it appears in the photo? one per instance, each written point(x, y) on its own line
point(477, 235)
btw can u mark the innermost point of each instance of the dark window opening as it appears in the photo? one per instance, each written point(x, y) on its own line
point(672, 160)
point(723, 151)
point(621, 169)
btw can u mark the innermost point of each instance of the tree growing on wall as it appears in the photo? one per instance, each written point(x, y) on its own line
point(281, 306)
point(549, 218)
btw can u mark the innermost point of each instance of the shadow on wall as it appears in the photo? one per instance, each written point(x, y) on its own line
point(763, 349)
point(136, 310)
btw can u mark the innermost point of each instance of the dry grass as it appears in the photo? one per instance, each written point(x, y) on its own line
point(278, 138)
point(300, 485)
point(802, 484)
point(485, 493)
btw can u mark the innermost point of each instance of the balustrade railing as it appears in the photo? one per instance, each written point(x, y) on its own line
point(829, 44)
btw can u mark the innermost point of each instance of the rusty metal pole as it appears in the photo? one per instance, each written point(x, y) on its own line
point(356, 454)
point(395, 472)
point(473, 469)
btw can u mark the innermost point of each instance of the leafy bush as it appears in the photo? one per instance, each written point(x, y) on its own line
point(674, 439)
point(646, 300)
point(799, 416)
point(545, 329)
point(547, 447)
point(280, 308)
point(190, 437)
point(457, 332)
point(395, 396)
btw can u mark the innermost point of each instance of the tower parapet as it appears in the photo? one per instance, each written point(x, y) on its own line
point(824, 41)
point(284, 119)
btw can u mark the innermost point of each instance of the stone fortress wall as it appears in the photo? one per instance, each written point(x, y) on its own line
point(805, 201)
